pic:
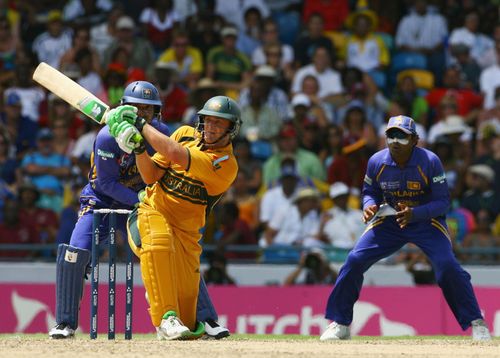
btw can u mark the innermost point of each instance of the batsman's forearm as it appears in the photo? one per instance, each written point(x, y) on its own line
point(150, 172)
point(166, 146)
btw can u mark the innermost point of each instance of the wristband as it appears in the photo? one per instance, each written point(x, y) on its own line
point(139, 123)
point(141, 148)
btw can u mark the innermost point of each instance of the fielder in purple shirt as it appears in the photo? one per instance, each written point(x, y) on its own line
point(412, 181)
point(114, 183)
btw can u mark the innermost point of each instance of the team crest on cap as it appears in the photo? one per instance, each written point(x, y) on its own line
point(399, 120)
point(147, 93)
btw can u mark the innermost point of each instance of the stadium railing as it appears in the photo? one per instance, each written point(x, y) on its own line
point(279, 254)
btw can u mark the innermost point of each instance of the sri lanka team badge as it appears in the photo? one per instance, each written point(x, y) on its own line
point(147, 93)
point(216, 162)
point(413, 185)
point(399, 120)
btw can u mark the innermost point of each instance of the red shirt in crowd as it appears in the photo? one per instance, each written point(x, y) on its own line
point(43, 220)
point(467, 100)
point(334, 12)
point(245, 237)
point(174, 105)
point(19, 233)
point(342, 170)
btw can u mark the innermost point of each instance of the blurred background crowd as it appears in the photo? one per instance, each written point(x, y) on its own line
point(316, 81)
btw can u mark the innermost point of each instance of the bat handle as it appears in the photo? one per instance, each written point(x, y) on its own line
point(137, 138)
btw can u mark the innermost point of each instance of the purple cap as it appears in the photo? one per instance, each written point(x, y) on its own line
point(404, 123)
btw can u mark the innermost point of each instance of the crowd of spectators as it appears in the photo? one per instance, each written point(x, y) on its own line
point(316, 81)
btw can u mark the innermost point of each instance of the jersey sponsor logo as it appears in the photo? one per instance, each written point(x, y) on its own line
point(368, 180)
point(439, 179)
point(216, 162)
point(105, 155)
point(413, 185)
point(389, 185)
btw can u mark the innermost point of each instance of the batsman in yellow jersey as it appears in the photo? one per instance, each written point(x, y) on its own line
point(186, 177)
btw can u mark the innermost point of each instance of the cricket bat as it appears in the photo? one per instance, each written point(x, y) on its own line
point(72, 93)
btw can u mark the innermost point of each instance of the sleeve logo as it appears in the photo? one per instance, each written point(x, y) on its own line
point(439, 179)
point(216, 162)
point(105, 155)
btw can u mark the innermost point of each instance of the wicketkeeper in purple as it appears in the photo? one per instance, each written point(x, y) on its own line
point(412, 181)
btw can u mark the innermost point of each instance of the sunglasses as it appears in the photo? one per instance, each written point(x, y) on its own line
point(398, 137)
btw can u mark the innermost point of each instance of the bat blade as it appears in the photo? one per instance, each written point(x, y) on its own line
point(71, 92)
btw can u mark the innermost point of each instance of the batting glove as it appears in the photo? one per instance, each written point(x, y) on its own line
point(127, 136)
point(141, 195)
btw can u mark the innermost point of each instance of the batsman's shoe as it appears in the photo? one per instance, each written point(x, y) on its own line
point(336, 331)
point(171, 327)
point(215, 331)
point(480, 331)
point(199, 332)
point(62, 331)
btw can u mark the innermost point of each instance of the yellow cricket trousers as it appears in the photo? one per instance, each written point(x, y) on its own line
point(170, 262)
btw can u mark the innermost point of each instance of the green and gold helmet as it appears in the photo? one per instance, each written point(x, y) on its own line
point(221, 107)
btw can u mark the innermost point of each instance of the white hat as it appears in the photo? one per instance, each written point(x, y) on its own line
point(300, 99)
point(164, 65)
point(229, 31)
point(205, 82)
point(125, 22)
point(265, 71)
point(306, 193)
point(484, 171)
point(337, 189)
point(488, 129)
point(454, 124)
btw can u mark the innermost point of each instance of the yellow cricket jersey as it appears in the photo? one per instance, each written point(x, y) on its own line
point(183, 195)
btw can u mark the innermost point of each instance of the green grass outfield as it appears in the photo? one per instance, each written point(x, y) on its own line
point(247, 337)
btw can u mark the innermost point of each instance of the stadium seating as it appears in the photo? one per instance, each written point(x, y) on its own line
point(405, 61)
point(408, 60)
point(338, 39)
point(261, 149)
point(388, 40)
point(423, 79)
point(380, 79)
point(281, 254)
